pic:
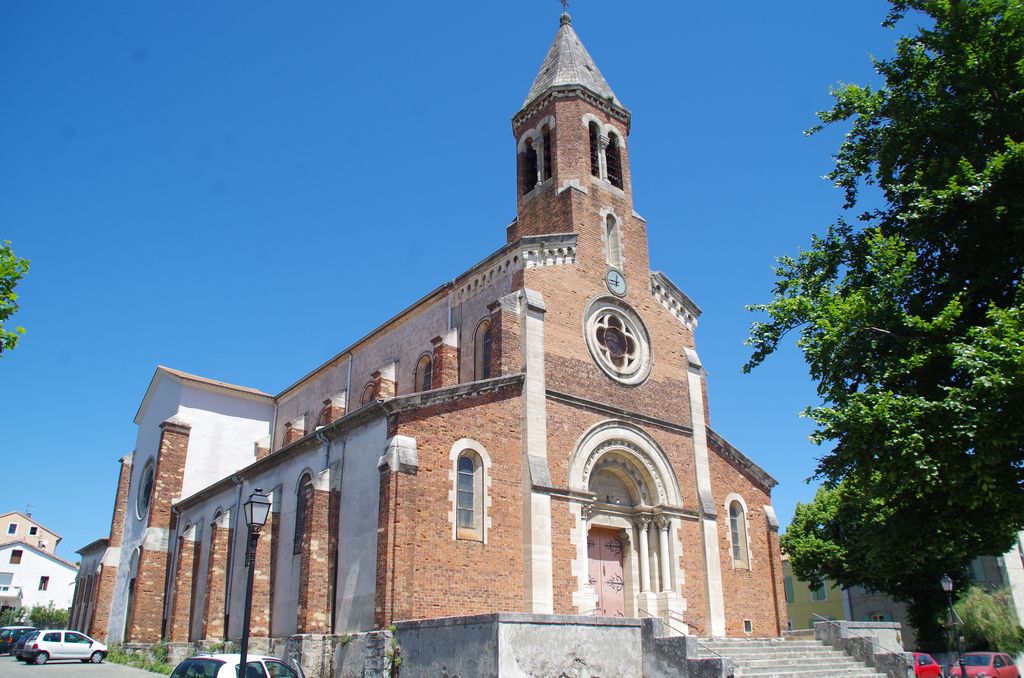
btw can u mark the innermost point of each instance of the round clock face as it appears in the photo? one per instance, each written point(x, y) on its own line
point(615, 281)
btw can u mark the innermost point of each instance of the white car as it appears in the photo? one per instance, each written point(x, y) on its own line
point(49, 645)
point(226, 666)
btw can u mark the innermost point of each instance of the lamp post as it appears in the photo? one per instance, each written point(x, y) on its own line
point(256, 509)
point(947, 586)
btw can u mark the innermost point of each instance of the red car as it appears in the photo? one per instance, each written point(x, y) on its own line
point(925, 666)
point(987, 664)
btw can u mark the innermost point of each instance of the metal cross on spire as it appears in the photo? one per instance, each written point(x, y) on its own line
point(565, 6)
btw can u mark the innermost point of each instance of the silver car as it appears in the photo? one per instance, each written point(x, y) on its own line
point(49, 645)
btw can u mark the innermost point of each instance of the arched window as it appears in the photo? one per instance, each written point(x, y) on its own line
point(469, 497)
point(367, 395)
point(738, 534)
point(613, 159)
point(302, 496)
point(546, 140)
point(595, 150)
point(614, 242)
point(324, 418)
point(482, 350)
point(529, 167)
point(424, 373)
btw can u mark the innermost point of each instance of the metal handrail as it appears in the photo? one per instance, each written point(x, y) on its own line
point(852, 633)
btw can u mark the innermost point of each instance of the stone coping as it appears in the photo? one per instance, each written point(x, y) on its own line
point(521, 618)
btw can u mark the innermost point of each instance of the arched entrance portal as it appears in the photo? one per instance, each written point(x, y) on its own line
point(628, 557)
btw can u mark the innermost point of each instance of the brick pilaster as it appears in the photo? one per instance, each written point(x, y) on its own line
point(384, 385)
point(262, 447)
point(292, 432)
point(446, 360)
point(182, 599)
point(506, 333)
point(263, 577)
point(216, 579)
point(396, 524)
point(151, 580)
point(314, 560)
point(103, 597)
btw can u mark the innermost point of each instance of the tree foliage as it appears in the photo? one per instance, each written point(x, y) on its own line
point(48, 617)
point(910, 317)
point(988, 623)
point(12, 269)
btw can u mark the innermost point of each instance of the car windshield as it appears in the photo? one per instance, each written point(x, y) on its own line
point(197, 668)
point(977, 659)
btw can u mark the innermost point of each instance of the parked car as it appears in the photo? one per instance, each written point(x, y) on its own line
point(49, 645)
point(987, 664)
point(9, 635)
point(19, 647)
point(925, 666)
point(226, 666)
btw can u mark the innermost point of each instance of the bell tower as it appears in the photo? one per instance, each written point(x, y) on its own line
point(572, 160)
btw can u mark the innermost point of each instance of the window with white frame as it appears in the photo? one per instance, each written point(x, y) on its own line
point(33, 531)
point(12, 528)
point(738, 534)
point(469, 501)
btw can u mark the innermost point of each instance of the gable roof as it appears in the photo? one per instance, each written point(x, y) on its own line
point(569, 63)
point(201, 382)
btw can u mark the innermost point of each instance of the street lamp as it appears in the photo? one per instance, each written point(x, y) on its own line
point(256, 509)
point(947, 586)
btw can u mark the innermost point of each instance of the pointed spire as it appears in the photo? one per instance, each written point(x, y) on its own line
point(569, 63)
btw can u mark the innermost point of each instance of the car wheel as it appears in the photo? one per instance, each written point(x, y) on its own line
point(41, 658)
point(96, 657)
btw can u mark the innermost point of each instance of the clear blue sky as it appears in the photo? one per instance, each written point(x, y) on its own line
point(241, 189)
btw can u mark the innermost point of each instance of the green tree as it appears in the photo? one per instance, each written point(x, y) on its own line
point(12, 269)
point(988, 623)
point(910, 317)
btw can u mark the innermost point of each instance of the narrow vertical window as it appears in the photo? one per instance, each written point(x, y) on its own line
point(614, 242)
point(738, 532)
point(529, 167)
point(482, 351)
point(546, 153)
point(613, 157)
point(595, 150)
point(466, 494)
point(302, 497)
point(424, 374)
point(44, 583)
point(367, 395)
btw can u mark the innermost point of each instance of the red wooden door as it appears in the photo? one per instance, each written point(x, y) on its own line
point(604, 553)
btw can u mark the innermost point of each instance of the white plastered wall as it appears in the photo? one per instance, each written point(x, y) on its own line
point(25, 576)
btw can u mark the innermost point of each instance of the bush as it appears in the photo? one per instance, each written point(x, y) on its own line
point(144, 661)
point(12, 617)
point(989, 622)
point(48, 617)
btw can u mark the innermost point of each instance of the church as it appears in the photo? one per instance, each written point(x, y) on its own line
point(531, 437)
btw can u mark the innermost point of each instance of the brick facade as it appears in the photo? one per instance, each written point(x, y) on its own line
point(560, 443)
point(151, 579)
point(315, 564)
point(183, 595)
point(263, 577)
point(215, 600)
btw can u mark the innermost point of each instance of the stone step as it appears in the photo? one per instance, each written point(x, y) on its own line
point(778, 658)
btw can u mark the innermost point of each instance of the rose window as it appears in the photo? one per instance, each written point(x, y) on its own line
point(618, 341)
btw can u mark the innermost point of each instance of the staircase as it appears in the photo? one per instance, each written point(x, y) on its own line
point(785, 658)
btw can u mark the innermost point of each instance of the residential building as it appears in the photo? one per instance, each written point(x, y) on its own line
point(17, 526)
point(807, 603)
point(31, 576)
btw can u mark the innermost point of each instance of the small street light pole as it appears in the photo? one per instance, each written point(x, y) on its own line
point(947, 586)
point(257, 508)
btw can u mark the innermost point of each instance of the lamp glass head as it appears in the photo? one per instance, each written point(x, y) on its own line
point(947, 583)
point(257, 508)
